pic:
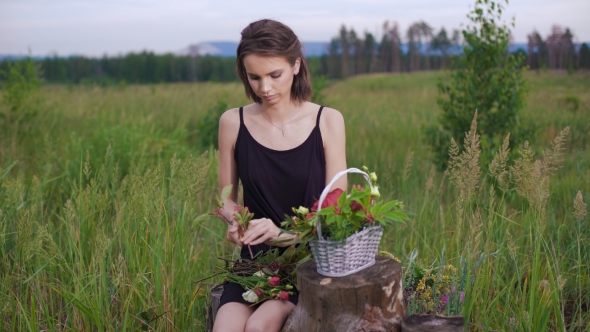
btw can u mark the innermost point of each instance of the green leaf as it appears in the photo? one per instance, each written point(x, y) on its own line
point(326, 212)
point(225, 192)
point(288, 254)
point(342, 199)
point(391, 205)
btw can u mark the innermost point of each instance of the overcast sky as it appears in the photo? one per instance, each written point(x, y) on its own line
point(96, 27)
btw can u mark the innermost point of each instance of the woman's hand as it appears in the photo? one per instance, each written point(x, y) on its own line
point(260, 231)
point(232, 234)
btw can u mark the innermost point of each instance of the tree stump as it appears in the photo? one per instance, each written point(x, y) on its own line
point(212, 308)
point(433, 323)
point(369, 300)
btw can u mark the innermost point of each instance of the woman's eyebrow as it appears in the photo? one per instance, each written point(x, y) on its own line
point(278, 71)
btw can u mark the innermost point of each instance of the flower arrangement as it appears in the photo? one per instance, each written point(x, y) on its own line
point(268, 276)
point(265, 276)
point(342, 215)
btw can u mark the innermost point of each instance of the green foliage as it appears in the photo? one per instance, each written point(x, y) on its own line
point(487, 79)
point(208, 127)
point(318, 84)
point(572, 102)
point(21, 78)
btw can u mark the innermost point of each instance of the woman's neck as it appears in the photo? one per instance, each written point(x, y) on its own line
point(281, 112)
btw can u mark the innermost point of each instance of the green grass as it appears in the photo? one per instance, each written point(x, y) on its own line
point(99, 193)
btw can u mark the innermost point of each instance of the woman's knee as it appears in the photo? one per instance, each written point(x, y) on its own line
point(232, 317)
point(257, 325)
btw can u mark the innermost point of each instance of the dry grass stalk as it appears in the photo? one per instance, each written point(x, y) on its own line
point(512, 250)
point(552, 158)
point(498, 165)
point(475, 229)
point(464, 168)
point(531, 177)
point(580, 210)
point(408, 166)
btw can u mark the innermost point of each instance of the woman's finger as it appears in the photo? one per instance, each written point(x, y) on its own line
point(252, 235)
point(264, 234)
point(260, 239)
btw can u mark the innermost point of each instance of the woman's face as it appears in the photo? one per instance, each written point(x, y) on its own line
point(270, 77)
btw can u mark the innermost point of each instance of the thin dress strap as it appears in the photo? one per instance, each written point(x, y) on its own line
point(317, 123)
point(241, 116)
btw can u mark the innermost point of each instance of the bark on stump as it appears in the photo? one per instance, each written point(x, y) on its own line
point(369, 300)
point(433, 323)
point(214, 301)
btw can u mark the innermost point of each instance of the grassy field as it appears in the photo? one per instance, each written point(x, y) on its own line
point(101, 188)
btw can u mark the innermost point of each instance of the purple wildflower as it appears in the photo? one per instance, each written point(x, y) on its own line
point(443, 302)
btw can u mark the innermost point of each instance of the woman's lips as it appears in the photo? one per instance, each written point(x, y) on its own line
point(269, 97)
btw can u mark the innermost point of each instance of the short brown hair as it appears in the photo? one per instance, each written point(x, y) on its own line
point(271, 38)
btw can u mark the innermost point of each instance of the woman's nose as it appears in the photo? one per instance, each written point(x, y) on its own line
point(265, 86)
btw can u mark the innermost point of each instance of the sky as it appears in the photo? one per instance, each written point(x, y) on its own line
point(112, 27)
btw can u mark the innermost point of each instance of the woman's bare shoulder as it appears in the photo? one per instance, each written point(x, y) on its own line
point(229, 126)
point(230, 118)
point(331, 119)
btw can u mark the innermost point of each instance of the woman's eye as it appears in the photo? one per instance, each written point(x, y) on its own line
point(275, 76)
point(254, 78)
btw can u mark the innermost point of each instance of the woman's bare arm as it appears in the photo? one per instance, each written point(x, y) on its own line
point(229, 125)
point(334, 137)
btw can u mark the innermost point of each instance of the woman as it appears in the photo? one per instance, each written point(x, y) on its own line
point(282, 147)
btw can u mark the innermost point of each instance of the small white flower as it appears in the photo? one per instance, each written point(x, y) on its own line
point(373, 177)
point(375, 191)
point(250, 296)
point(260, 274)
point(302, 211)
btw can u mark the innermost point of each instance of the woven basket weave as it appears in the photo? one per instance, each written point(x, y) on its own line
point(355, 253)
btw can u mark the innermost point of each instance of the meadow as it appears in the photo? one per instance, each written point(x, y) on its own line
point(101, 187)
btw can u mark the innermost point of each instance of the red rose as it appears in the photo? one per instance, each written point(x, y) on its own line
point(331, 199)
point(258, 292)
point(274, 281)
point(284, 296)
point(356, 206)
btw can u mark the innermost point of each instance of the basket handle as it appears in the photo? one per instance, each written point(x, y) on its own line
point(327, 190)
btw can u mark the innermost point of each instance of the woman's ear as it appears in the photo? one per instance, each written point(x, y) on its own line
point(296, 66)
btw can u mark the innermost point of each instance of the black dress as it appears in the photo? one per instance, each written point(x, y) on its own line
point(274, 182)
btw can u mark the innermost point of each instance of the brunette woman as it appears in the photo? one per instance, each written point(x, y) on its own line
point(282, 147)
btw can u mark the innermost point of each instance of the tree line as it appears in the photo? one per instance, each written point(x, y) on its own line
point(427, 49)
point(144, 67)
point(349, 53)
point(557, 51)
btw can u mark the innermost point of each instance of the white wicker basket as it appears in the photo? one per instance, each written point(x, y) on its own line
point(357, 252)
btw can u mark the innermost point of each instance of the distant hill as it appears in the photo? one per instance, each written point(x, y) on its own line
point(228, 49)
